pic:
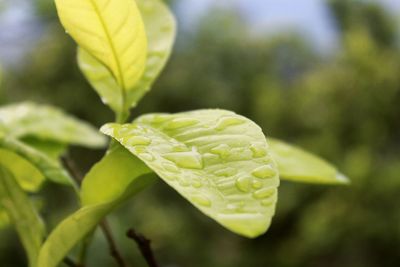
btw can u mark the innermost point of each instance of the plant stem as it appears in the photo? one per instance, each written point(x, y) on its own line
point(112, 244)
point(144, 245)
point(73, 170)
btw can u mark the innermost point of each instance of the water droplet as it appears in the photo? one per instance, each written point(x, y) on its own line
point(137, 140)
point(257, 184)
point(264, 172)
point(180, 123)
point(123, 130)
point(196, 183)
point(179, 147)
point(201, 200)
point(264, 193)
point(159, 118)
point(258, 150)
point(189, 160)
point(267, 202)
point(223, 150)
point(169, 177)
point(146, 156)
point(243, 184)
point(226, 172)
point(170, 167)
point(225, 122)
point(139, 149)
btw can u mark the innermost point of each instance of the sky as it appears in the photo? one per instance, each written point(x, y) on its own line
point(308, 17)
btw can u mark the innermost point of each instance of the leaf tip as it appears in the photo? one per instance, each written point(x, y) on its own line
point(342, 179)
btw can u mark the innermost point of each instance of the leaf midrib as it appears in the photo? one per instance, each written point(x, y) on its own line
point(113, 50)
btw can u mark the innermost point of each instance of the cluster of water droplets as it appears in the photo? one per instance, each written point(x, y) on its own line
point(205, 176)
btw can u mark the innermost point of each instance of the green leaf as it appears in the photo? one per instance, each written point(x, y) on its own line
point(112, 31)
point(22, 214)
point(216, 159)
point(27, 175)
point(4, 218)
point(52, 149)
point(118, 176)
point(48, 166)
point(48, 123)
point(297, 165)
point(161, 30)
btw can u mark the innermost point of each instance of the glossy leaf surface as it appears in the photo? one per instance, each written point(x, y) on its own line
point(216, 159)
point(297, 165)
point(118, 176)
point(22, 214)
point(48, 123)
point(160, 30)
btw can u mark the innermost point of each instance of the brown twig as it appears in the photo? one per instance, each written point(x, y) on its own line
point(112, 244)
point(144, 245)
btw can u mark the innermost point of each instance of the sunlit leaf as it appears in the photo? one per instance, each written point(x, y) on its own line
point(216, 159)
point(112, 31)
point(118, 176)
point(48, 123)
point(27, 175)
point(22, 215)
point(298, 165)
point(160, 29)
point(48, 166)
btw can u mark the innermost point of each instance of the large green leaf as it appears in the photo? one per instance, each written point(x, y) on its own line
point(160, 29)
point(22, 214)
point(297, 165)
point(47, 165)
point(110, 30)
point(48, 123)
point(118, 176)
point(27, 175)
point(216, 159)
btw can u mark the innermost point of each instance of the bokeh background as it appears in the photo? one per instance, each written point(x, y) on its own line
point(321, 74)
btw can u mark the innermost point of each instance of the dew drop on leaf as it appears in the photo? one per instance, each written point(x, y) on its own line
point(264, 193)
point(189, 160)
point(264, 172)
point(243, 184)
point(201, 200)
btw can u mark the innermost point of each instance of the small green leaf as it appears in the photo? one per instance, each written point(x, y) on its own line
point(216, 159)
point(22, 214)
point(161, 30)
point(51, 148)
point(118, 176)
point(27, 175)
point(111, 31)
point(297, 165)
point(48, 166)
point(48, 123)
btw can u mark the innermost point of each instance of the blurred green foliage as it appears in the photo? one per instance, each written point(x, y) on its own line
point(344, 107)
